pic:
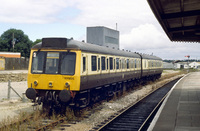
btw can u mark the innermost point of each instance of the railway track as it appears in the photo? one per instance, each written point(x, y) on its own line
point(118, 121)
point(139, 115)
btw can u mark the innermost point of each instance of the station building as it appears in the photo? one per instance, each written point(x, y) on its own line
point(103, 36)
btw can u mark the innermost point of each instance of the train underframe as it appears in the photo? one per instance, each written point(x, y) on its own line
point(51, 100)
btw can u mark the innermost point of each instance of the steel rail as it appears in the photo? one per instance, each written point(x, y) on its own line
point(103, 125)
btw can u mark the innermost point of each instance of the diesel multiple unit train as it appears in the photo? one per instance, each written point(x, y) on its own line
point(65, 72)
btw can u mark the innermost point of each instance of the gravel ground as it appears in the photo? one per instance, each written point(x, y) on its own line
point(19, 87)
point(107, 109)
point(13, 107)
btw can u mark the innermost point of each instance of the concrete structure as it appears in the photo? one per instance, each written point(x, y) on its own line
point(178, 18)
point(181, 65)
point(103, 36)
point(167, 65)
point(180, 111)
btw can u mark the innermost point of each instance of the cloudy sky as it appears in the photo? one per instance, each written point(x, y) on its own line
point(139, 29)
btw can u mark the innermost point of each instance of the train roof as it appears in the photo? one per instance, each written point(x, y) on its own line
point(63, 43)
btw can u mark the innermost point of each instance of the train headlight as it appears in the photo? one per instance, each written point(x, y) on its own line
point(67, 85)
point(50, 84)
point(35, 83)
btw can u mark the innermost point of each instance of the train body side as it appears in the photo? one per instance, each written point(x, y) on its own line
point(107, 69)
point(65, 70)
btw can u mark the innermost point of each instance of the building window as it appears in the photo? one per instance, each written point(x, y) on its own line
point(94, 63)
point(112, 40)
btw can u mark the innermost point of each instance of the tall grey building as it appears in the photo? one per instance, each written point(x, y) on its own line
point(103, 36)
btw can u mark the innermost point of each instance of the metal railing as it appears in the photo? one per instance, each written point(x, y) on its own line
point(11, 88)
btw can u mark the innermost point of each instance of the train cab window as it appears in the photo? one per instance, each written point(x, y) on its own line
point(84, 64)
point(38, 62)
point(117, 63)
point(111, 63)
point(94, 63)
point(52, 60)
point(127, 63)
point(103, 63)
point(68, 62)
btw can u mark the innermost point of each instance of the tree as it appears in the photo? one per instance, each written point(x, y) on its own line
point(22, 42)
point(36, 42)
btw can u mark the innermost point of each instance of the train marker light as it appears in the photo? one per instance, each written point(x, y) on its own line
point(67, 85)
point(35, 83)
point(50, 84)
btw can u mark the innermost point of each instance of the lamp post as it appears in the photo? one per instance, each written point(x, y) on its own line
point(13, 41)
point(188, 56)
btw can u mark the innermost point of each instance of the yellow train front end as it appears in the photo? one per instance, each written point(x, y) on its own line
point(53, 75)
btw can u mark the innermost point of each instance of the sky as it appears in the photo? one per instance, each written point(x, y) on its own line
point(139, 29)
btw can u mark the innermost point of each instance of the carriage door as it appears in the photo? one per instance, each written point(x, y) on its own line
point(84, 71)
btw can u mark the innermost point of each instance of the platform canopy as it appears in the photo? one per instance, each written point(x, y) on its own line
point(180, 19)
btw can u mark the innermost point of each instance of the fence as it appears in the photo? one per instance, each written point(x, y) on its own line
point(14, 64)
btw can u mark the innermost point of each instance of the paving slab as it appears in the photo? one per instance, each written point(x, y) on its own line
point(181, 109)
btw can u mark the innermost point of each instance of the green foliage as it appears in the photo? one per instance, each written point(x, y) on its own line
point(36, 42)
point(22, 42)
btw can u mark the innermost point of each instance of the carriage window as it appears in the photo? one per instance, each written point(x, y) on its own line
point(127, 63)
point(84, 64)
point(139, 64)
point(114, 64)
point(98, 63)
point(107, 64)
point(38, 62)
point(135, 63)
point(94, 63)
point(68, 62)
point(123, 64)
point(103, 63)
point(111, 63)
point(131, 62)
point(117, 63)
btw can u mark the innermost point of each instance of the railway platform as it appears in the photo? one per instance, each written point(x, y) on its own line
point(180, 110)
